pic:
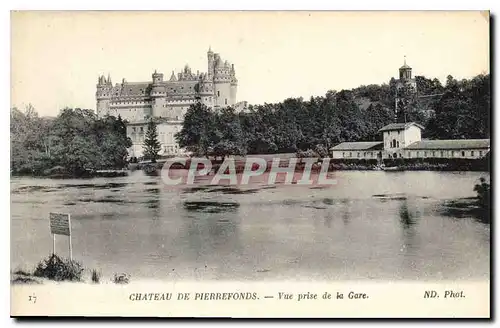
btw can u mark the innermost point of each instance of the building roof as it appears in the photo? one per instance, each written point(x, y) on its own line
point(405, 66)
point(399, 126)
point(451, 144)
point(132, 89)
point(363, 145)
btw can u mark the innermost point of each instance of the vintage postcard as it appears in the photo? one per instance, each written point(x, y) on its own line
point(250, 164)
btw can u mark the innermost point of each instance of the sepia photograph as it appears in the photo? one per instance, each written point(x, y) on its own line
point(188, 149)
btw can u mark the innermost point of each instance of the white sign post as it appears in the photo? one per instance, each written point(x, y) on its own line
point(60, 224)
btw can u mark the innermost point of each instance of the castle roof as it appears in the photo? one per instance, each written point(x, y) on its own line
point(399, 126)
point(362, 145)
point(405, 66)
point(451, 144)
point(135, 88)
point(172, 77)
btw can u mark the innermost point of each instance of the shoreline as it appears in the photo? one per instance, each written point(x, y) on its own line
point(389, 165)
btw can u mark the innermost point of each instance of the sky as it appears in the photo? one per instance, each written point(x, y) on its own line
point(57, 57)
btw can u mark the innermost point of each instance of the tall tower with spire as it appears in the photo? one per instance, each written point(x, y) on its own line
point(210, 69)
point(406, 89)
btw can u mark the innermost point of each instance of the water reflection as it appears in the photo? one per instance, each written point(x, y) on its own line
point(106, 199)
point(210, 206)
point(220, 189)
point(369, 226)
point(346, 211)
point(328, 219)
point(406, 217)
point(465, 208)
point(212, 236)
point(409, 236)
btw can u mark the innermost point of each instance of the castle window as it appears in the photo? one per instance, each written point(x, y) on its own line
point(226, 101)
point(480, 153)
point(218, 93)
point(472, 153)
point(463, 153)
point(350, 154)
point(442, 153)
point(343, 154)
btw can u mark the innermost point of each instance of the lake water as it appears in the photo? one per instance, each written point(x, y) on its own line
point(370, 225)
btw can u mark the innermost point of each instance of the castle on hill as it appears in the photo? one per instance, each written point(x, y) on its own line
point(167, 100)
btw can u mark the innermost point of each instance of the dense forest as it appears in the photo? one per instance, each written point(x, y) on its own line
point(75, 141)
point(457, 110)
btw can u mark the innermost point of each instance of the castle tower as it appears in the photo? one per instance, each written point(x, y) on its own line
point(222, 82)
point(205, 90)
point(158, 96)
point(103, 95)
point(210, 69)
point(234, 86)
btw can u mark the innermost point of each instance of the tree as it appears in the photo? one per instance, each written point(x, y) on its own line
point(151, 145)
point(463, 111)
point(75, 143)
point(76, 140)
point(483, 191)
point(406, 102)
point(113, 141)
point(459, 110)
point(198, 130)
point(228, 137)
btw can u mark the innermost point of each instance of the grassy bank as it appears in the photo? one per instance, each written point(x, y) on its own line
point(403, 164)
point(60, 172)
point(58, 269)
point(439, 164)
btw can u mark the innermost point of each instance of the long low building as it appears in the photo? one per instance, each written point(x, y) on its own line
point(403, 140)
point(465, 148)
point(364, 149)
